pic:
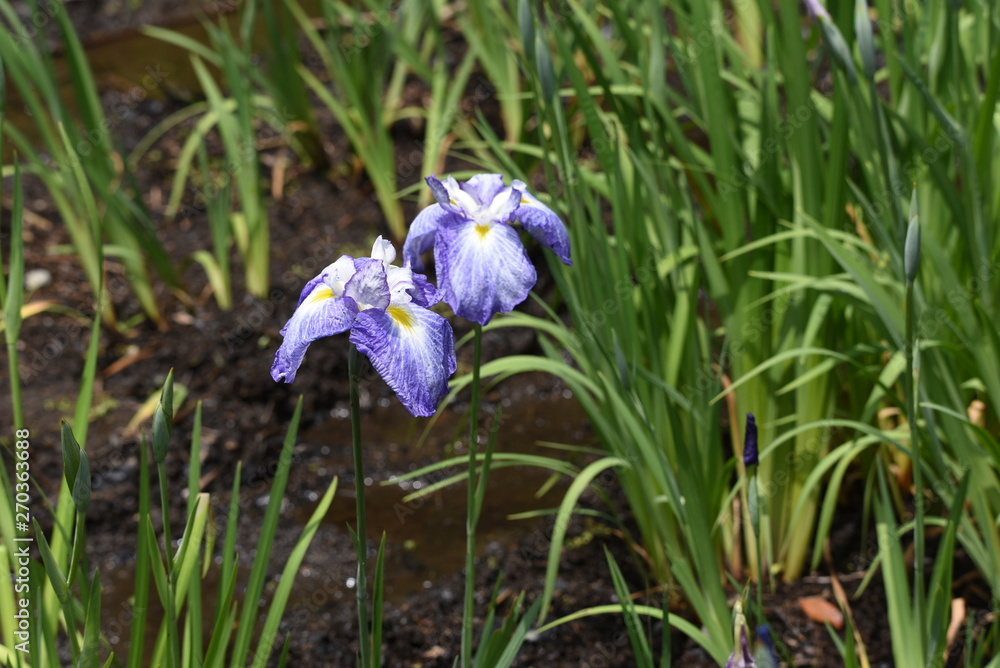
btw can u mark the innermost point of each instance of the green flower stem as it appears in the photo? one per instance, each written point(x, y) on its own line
point(354, 374)
point(472, 516)
point(918, 486)
point(754, 498)
point(165, 509)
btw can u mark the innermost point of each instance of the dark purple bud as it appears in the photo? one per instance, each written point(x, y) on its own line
point(750, 442)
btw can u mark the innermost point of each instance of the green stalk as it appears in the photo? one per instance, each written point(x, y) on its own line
point(472, 517)
point(911, 267)
point(13, 296)
point(918, 487)
point(354, 374)
point(165, 509)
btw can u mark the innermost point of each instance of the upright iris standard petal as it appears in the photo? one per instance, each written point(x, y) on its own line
point(543, 224)
point(368, 287)
point(484, 187)
point(319, 314)
point(482, 270)
point(413, 349)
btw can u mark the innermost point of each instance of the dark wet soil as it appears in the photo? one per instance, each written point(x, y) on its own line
point(222, 359)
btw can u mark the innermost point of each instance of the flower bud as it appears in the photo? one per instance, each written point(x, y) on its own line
point(911, 249)
point(750, 455)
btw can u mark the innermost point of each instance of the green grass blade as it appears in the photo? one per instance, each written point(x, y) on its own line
point(255, 586)
point(268, 634)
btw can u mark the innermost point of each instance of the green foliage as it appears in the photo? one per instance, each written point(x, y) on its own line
point(178, 577)
point(743, 235)
point(71, 149)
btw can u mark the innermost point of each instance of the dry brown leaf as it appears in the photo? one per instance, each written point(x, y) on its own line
point(955, 625)
point(822, 611)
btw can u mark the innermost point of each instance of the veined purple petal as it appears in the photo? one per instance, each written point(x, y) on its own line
point(543, 224)
point(368, 287)
point(319, 314)
point(413, 349)
point(484, 187)
point(420, 236)
point(482, 270)
point(441, 194)
point(423, 291)
point(307, 290)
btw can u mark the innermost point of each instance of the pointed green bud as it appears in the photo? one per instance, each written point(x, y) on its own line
point(167, 398)
point(546, 75)
point(161, 434)
point(838, 48)
point(81, 489)
point(911, 249)
point(71, 455)
point(526, 24)
point(863, 31)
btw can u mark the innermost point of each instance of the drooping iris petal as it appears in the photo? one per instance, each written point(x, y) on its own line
point(413, 349)
point(308, 289)
point(368, 287)
point(420, 236)
point(319, 314)
point(482, 269)
point(543, 224)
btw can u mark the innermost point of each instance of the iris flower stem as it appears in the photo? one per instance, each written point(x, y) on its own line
point(354, 374)
point(918, 485)
point(472, 517)
point(165, 507)
point(757, 540)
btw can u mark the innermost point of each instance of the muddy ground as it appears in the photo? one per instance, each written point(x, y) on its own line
point(223, 358)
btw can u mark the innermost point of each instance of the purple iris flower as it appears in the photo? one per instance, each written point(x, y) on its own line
point(482, 267)
point(387, 310)
point(750, 455)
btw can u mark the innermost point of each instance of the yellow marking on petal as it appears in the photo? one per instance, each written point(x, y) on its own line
point(525, 200)
point(319, 294)
point(402, 317)
point(482, 231)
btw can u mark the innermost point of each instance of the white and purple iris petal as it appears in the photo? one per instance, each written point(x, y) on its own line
point(482, 266)
point(386, 309)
